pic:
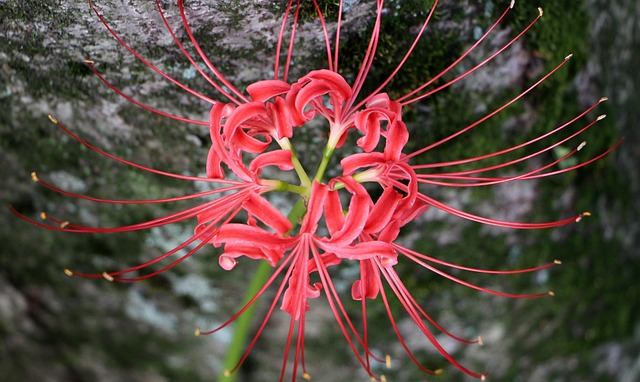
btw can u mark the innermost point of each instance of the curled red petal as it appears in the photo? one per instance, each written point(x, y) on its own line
point(354, 162)
point(356, 216)
point(263, 90)
point(333, 212)
point(314, 208)
point(368, 122)
point(234, 233)
point(259, 207)
point(279, 158)
point(383, 210)
point(214, 170)
point(280, 116)
point(234, 250)
point(362, 251)
point(368, 285)
point(397, 138)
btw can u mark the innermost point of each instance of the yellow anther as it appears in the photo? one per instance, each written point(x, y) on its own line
point(52, 119)
point(557, 262)
point(513, 2)
point(579, 218)
point(227, 373)
point(68, 272)
point(483, 377)
point(603, 99)
point(552, 293)
point(198, 332)
point(480, 341)
point(568, 57)
point(438, 371)
point(43, 216)
point(581, 145)
point(64, 224)
point(383, 378)
point(601, 117)
point(387, 361)
point(34, 176)
point(90, 62)
point(107, 276)
point(540, 12)
point(306, 376)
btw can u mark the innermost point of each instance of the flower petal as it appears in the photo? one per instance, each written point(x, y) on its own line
point(280, 158)
point(314, 209)
point(267, 213)
point(356, 216)
point(263, 90)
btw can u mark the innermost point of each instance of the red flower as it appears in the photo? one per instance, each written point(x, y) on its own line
point(245, 128)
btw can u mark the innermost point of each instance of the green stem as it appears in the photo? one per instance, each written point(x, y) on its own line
point(243, 323)
point(326, 156)
point(297, 166)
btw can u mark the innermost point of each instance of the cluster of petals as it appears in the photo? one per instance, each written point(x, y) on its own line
point(341, 221)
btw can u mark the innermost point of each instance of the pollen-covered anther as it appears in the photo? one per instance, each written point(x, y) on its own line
point(581, 145)
point(383, 378)
point(483, 377)
point(513, 3)
point(387, 361)
point(306, 376)
point(107, 276)
point(52, 119)
point(480, 341)
point(68, 272)
point(601, 117)
point(540, 11)
point(568, 57)
point(551, 293)
point(34, 177)
point(557, 262)
point(64, 224)
point(197, 332)
point(603, 99)
point(90, 62)
point(579, 218)
point(438, 371)
point(43, 216)
point(227, 373)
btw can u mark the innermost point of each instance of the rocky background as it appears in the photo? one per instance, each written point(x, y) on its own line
point(55, 328)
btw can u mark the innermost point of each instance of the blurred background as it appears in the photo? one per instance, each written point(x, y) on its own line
point(56, 328)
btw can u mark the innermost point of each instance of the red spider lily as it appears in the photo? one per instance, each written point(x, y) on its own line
point(244, 129)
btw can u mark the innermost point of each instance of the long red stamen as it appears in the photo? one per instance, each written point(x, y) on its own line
point(138, 103)
point(393, 281)
point(147, 63)
point(141, 167)
point(404, 59)
point(368, 56)
point(326, 35)
point(516, 147)
point(486, 117)
point(283, 24)
point(240, 97)
point(404, 99)
point(189, 57)
point(292, 39)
